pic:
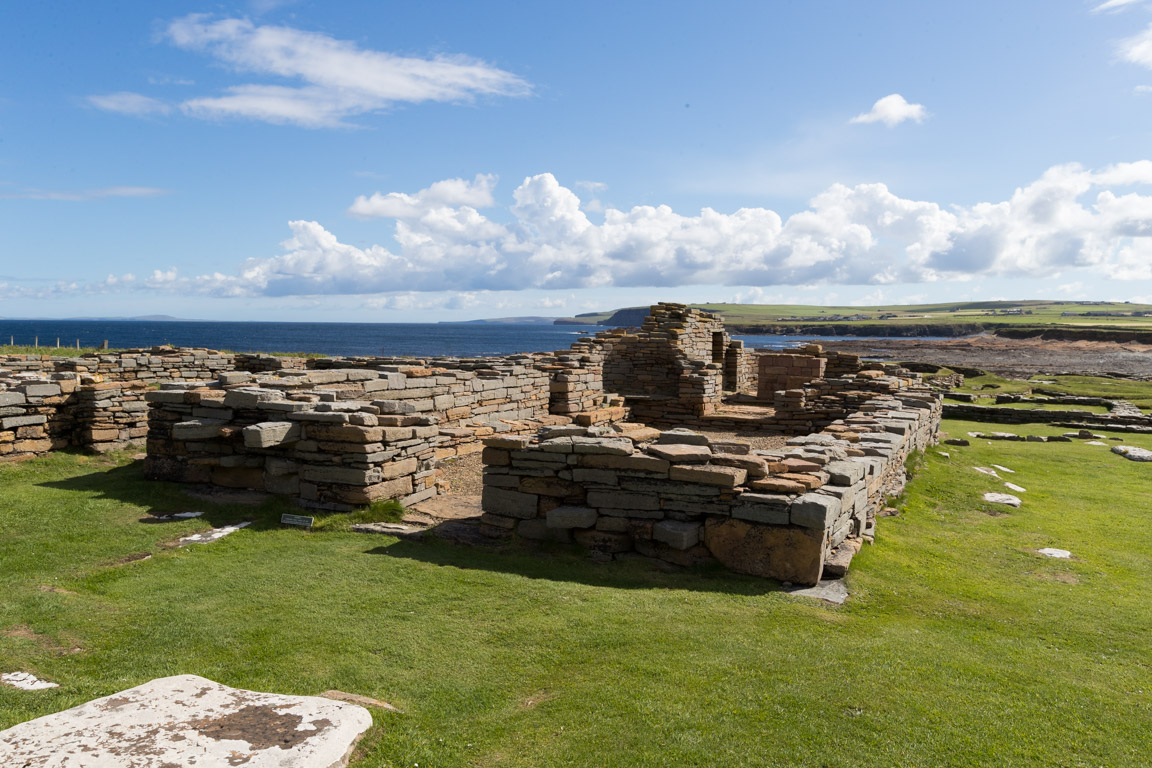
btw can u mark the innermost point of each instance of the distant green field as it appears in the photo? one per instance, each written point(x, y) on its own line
point(1070, 314)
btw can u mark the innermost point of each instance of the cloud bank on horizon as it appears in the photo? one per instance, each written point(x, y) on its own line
point(1069, 218)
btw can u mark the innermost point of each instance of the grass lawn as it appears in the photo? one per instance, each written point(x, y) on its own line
point(1050, 407)
point(959, 646)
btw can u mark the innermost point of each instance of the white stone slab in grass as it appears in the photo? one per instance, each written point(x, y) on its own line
point(213, 535)
point(945, 454)
point(1094, 442)
point(1004, 469)
point(26, 681)
point(987, 471)
point(1014, 487)
point(1061, 554)
point(830, 590)
point(190, 721)
point(1002, 498)
point(1132, 453)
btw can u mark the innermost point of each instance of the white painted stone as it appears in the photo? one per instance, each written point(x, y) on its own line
point(945, 454)
point(1061, 554)
point(213, 535)
point(190, 721)
point(1002, 498)
point(987, 471)
point(26, 681)
point(1004, 469)
point(1014, 487)
point(1094, 442)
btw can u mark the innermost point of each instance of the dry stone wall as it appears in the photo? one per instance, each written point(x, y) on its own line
point(791, 515)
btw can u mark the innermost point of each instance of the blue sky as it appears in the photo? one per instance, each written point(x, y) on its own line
point(422, 161)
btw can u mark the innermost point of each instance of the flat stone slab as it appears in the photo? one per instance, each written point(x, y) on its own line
point(190, 721)
point(1060, 554)
point(209, 536)
point(1014, 487)
point(450, 507)
point(1004, 469)
point(831, 590)
point(1132, 453)
point(987, 471)
point(1002, 498)
point(399, 530)
point(26, 681)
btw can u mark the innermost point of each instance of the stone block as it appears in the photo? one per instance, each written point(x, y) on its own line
point(768, 508)
point(551, 486)
point(341, 475)
point(197, 429)
point(620, 500)
point(777, 485)
point(682, 437)
point(571, 517)
point(635, 463)
point(785, 553)
point(815, 510)
point(12, 422)
point(678, 535)
point(846, 473)
point(610, 446)
point(681, 454)
point(12, 398)
point(267, 434)
point(725, 477)
point(511, 503)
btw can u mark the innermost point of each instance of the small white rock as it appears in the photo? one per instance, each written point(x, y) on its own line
point(1014, 487)
point(26, 682)
point(987, 471)
point(1002, 498)
point(1004, 469)
point(1062, 554)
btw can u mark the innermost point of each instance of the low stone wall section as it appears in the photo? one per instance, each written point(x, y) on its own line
point(789, 515)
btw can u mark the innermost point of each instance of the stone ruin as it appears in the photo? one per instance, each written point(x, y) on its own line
point(567, 438)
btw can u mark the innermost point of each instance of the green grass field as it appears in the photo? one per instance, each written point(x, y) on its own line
point(1067, 314)
point(959, 646)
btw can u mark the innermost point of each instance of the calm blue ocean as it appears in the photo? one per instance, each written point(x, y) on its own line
point(416, 339)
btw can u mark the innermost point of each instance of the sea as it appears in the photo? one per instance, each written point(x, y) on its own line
point(346, 339)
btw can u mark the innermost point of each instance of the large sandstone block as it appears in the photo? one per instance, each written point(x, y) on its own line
point(784, 553)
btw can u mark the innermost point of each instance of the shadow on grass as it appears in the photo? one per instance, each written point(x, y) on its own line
point(558, 562)
point(156, 498)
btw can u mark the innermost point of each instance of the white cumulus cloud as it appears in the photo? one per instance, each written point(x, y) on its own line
point(892, 110)
point(1070, 218)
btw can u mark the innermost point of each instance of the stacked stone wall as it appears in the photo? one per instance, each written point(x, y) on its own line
point(781, 370)
point(791, 515)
